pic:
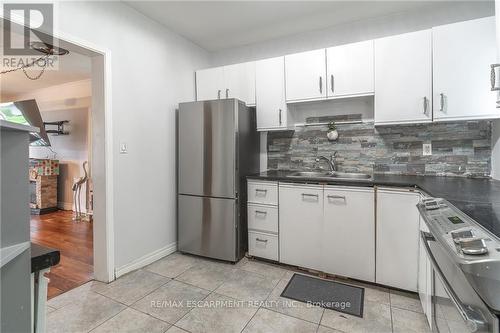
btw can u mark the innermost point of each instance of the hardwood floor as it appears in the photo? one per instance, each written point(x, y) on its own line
point(75, 242)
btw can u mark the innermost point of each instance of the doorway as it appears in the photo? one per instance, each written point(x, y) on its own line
point(86, 242)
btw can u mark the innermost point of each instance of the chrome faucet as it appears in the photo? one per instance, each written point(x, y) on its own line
point(331, 161)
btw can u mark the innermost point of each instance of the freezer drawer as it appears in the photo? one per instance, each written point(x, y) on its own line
point(207, 227)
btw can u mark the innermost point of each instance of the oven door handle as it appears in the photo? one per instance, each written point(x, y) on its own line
point(472, 318)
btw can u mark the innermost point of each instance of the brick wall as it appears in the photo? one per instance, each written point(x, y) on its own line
point(458, 148)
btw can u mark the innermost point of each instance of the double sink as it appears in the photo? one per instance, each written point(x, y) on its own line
point(328, 175)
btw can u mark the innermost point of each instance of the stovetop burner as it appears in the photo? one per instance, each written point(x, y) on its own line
point(485, 214)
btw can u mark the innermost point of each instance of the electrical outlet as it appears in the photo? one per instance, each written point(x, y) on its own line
point(427, 149)
point(123, 148)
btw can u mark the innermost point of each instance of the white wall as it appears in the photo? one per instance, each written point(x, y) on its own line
point(440, 13)
point(152, 71)
point(495, 156)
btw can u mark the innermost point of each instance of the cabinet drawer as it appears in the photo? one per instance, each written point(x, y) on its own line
point(263, 192)
point(263, 245)
point(263, 218)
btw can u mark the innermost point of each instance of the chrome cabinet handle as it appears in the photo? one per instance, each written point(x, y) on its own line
point(336, 197)
point(218, 94)
point(321, 84)
point(280, 116)
point(441, 102)
point(260, 190)
point(493, 78)
point(260, 212)
point(332, 83)
point(261, 240)
point(310, 195)
point(425, 105)
point(227, 93)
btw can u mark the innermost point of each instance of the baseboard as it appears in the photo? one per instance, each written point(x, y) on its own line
point(146, 260)
point(65, 205)
point(68, 206)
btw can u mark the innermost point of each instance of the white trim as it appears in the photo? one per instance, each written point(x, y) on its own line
point(109, 220)
point(462, 118)
point(402, 122)
point(146, 260)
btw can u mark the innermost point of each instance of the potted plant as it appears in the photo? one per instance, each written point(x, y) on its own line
point(332, 133)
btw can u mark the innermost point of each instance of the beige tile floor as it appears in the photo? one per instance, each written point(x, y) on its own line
point(182, 293)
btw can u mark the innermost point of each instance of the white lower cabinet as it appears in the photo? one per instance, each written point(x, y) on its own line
point(348, 242)
point(301, 225)
point(329, 229)
point(262, 214)
point(355, 232)
point(263, 218)
point(397, 238)
point(263, 245)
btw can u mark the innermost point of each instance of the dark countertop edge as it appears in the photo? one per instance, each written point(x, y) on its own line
point(43, 257)
point(344, 182)
point(422, 183)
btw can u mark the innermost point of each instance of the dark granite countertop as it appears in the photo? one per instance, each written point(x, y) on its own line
point(43, 257)
point(477, 197)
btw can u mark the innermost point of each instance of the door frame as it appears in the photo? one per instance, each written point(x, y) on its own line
point(103, 233)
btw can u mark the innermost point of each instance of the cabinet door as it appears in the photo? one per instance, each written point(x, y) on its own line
point(348, 239)
point(306, 75)
point(403, 78)
point(209, 84)
point(350, 69)
point(300, 225)
point(462, 55)
point(240, 82)
point(270, 93)
point(397, 238)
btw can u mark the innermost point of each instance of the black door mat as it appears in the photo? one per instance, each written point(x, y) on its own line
point(327, 294)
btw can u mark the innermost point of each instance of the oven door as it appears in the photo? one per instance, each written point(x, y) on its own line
point(456, 307)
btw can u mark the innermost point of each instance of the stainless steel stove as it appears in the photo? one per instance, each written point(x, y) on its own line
point(465, 274)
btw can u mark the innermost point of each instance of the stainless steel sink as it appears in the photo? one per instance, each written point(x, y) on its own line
point(349, 175)
point(310, 174)
point(328, 175)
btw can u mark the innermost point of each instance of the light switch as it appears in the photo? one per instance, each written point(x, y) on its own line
point(123, 148)
point(427, 149)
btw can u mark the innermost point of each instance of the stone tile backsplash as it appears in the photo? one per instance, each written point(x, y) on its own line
point(458, 148)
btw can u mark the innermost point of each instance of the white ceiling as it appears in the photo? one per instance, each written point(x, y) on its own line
point(74, 66)
point(217, 25)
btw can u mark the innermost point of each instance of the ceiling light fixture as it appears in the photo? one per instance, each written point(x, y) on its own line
point(47, 50)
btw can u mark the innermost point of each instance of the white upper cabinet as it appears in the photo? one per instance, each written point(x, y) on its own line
point(233, 81)
point(350, 69)
point(210, 84)
point(403, 78)
point(462, 55)
point(348, 212)
point(305, 75)
point(270, 93)
point(240, 82)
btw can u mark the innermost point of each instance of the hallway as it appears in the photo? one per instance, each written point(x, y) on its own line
point(74, 241)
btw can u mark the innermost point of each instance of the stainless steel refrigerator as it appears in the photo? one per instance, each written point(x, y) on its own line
point(218, 145)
